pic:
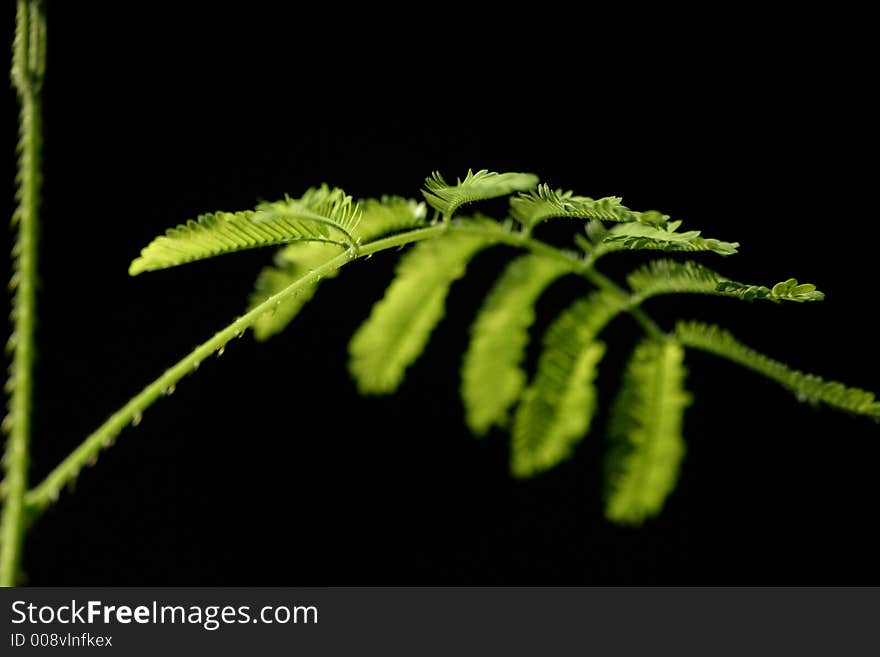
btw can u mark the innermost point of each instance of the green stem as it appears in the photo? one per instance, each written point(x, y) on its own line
point(402, 239)
point(47, 491)
point(28, 67)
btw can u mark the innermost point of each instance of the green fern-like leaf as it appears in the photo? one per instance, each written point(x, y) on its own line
point(556, 409)
point(647, 236)
point(399, 326)
point(533, 207)
point(672, 277)
point(807, 387)
point(645, 432)
point(322, 214)
point(446, 198)
point(492, 378)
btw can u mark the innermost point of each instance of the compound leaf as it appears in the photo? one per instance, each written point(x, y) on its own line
point(647, 447)
point(533, 207)
point(398, 328)
point(807, 387)
point(672, 277)
point(478, 186)
point(321, 214)
point(664, 237)
point(556, 409)
point(492, 377)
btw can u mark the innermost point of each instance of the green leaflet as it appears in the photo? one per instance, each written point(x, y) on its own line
point(322, 214)
point(789, 290)
point(380, 217)
point(446, 198)
point(399, 326)
point(807, 387)
point(557, 407)
point(491, 374)
point(642, 464)
point(642, 235)
point(533, 207)
point(672, 277)
point(291, 263)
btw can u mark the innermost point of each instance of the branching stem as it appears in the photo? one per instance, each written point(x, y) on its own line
point(578, 266)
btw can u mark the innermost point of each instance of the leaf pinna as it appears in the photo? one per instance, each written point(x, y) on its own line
point(646, 443)
point(322, 215)
point(531, 208)
point(492, 373)
point(479, 186)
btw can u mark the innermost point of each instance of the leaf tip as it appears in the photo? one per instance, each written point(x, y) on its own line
point(137, 266)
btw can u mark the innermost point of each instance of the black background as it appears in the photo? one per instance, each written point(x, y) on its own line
point(267, 468)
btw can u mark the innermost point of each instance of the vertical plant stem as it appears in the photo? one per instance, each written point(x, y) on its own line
point(28, 68)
